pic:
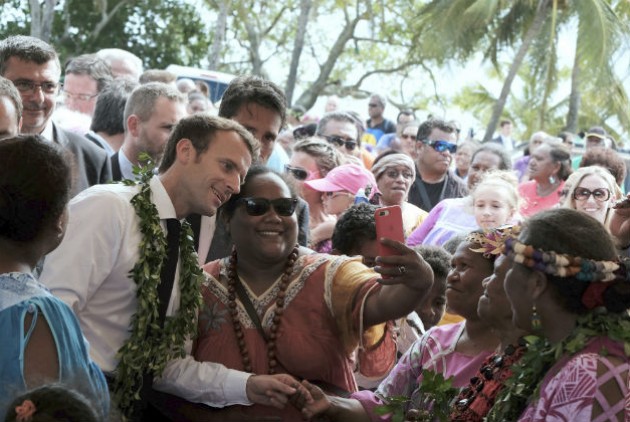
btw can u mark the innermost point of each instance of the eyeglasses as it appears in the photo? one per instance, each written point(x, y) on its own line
point(441, 146)
point(393, 174)
point(80, 97)
point(600, 194)
point(284, 207)
point(28, 87)
point(298, 172)
point(372, 105)
point(405, 136)
point(339, 141)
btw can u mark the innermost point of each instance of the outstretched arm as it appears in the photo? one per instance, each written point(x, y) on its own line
point(407, 278)
point(335, 408)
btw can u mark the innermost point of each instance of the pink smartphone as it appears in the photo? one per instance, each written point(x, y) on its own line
point(389, 224)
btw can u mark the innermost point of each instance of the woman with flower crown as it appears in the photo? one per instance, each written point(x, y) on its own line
point(566, 287)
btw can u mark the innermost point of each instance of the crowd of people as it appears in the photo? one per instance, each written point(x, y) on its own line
point(166, 260)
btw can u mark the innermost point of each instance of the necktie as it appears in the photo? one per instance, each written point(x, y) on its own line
point(167, 275)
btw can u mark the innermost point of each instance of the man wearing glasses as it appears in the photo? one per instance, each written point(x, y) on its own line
point(435, 144)
point(33, 67)
point(377, 125)
point(343, 131)
point(86, 76)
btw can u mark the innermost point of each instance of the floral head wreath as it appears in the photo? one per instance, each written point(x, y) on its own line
point(493, 241)
point(599, 274)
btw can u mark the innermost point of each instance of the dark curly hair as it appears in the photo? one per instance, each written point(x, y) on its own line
point(571, 232)
point(355, 226)
point(55, 403)
point(438, 259)
point(607, 158)
point(35, 183)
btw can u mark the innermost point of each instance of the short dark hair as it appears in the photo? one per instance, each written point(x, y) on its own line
point(405, 112)
point(201, 129)
point(607, 158)
point(93, 66)
point(339, 116)
point(559, 154)
point(7, 89)
point(109, 111)
point(505, 122)
point(355, 227)
point(426, 127)
point(28, 49)
point(55, 402)
point(228, 209)
point(248, 89)
point(438, 259)
point(505, 162)
point(33, 196)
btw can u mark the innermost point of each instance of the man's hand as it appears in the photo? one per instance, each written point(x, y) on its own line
point(274, 390)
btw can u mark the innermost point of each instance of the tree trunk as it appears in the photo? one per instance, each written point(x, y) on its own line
point(309, 96)
point(219, 36)
point(532, 32)
point(305, 9)
point(42, 16)
point(575, 96)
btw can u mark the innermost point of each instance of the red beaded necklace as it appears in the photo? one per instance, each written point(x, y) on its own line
point(270, 339)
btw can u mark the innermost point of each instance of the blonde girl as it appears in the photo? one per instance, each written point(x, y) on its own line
point(495, 200)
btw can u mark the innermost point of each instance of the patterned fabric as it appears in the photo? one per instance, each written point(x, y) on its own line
point(572, 389)
point(21, 295)
point(319, 330)
point(434, 351)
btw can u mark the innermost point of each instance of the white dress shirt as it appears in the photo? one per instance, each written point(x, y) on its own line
point(89, 271)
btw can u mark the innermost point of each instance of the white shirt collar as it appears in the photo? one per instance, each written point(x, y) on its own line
point(161, 199)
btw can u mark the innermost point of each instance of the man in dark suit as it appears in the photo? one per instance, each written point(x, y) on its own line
point(505, 136)
point(33, 67)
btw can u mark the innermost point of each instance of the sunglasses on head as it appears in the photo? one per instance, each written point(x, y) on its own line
point(339, 141)
point(441, 146)
point(298, 172)
point(284, 207)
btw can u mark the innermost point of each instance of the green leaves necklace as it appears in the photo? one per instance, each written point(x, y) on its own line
point(150, 347)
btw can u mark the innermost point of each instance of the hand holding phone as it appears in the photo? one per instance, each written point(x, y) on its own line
point(389, 224)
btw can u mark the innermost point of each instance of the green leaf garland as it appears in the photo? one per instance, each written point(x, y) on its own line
point(150, 347)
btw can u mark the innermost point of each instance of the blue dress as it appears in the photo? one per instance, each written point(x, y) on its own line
point(20, 294)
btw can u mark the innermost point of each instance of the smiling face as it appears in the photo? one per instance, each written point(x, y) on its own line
point(491, 207)
point(269, 238)
point(38, 105)
point(518, 287)
point(214, 175)
point(394, 184)
point(591, 206)
point(463, 283)
point(541, 165)
point(494, 305)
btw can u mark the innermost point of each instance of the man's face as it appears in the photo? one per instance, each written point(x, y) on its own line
point(344, 130)
point(375, 108)
point(595, 141)
point(9, 125)
point(263, 123)
point(152, 134)
point(80, 92)
point(506, 129)
point(216, 174)
point(429, 158)
point(38, 104)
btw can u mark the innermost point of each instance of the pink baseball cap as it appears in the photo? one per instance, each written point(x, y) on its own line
point(348, 177)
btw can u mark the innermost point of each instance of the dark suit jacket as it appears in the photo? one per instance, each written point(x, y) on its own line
point(455, 188)
point(221, 245)
point(116, 172)
point(91, 163)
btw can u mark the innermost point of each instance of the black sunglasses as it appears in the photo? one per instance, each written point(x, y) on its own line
point(284, 207)
point(441, 146)
point(339, 141)
point(297, 172)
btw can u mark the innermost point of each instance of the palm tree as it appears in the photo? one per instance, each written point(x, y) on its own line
point(464, 27)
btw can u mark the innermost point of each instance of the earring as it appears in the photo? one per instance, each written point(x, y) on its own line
point(552, 180)
point(536, 323)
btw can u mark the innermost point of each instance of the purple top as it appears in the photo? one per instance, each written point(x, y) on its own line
point(448, 218)
point(435, 350)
